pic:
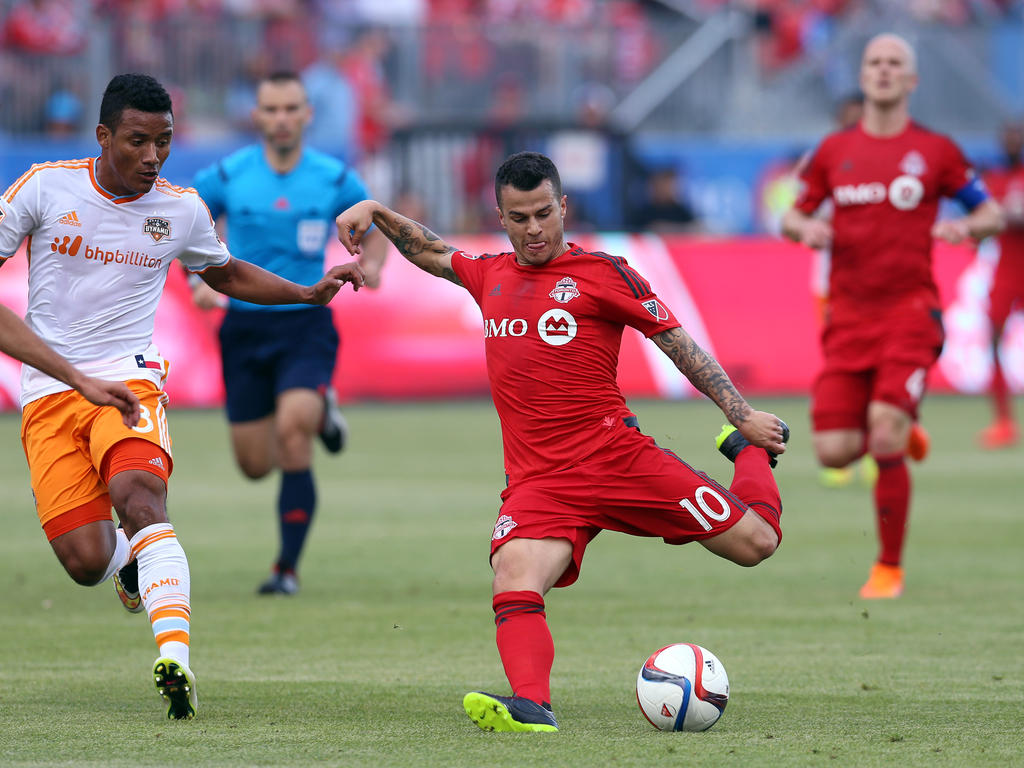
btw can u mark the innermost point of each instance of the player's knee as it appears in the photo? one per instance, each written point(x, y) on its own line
point(139, 498)
point(87, 570)
point(886, 442)
point(295, 447)
point(834, 459)
point(759, 545)
point(254, 470)
point(837, 453)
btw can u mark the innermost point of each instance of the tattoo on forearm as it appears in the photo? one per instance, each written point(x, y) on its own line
point(704, 372)
point(416, 243)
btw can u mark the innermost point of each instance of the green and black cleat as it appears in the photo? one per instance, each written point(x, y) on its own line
point(508, 713)
point(730, 442)
point(177, 686)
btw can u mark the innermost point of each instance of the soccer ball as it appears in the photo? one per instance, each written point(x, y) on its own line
point(682, 687)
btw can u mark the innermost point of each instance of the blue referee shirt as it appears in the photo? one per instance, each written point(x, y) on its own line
point(277, 221)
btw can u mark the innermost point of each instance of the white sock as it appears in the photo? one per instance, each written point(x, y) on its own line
point(165, 586)
point(121, 556)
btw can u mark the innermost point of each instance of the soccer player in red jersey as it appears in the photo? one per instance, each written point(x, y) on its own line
point(1006, 184)
point(885, 178)
point(575, 459)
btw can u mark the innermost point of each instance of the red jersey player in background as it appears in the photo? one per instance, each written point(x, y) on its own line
point(1006, 184)
point(884, 327)
point(575, 459)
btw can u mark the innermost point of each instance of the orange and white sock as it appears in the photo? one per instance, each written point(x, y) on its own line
point(121, 556)
point(164, 585)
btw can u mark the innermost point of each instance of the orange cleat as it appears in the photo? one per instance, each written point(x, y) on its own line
point(885, 581)
point(1000, 434)
point(919, 442)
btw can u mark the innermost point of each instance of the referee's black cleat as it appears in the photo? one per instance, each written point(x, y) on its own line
point(730, 442)
point(333, 428)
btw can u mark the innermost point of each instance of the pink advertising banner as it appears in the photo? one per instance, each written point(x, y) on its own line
point(748, 301)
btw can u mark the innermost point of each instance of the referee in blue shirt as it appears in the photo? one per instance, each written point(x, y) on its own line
point(279, 200)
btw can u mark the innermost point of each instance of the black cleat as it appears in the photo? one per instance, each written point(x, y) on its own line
point(730, 442)
point(126, 584)
point(333, 429)
point(279, 583)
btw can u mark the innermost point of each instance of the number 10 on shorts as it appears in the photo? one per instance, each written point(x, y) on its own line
point(701, 511)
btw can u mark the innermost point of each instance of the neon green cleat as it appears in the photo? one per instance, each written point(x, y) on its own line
point(730, 442)
point(508, 713)
point(868, 471)
point(177, 685)
point(835, 477)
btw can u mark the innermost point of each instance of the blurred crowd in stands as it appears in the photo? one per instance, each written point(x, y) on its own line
point(375, 68)
point(490, 47)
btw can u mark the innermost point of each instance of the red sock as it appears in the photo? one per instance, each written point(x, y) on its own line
point(892, 505)
point(1000, 392)
point(524, 644)
point(754, 484)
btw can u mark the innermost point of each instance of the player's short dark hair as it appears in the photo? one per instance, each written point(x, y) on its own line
point(525, 171)
point(132, 91)
point(282, 76)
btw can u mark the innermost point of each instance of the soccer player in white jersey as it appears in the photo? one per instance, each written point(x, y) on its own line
point(102, 233)
point(18, 341)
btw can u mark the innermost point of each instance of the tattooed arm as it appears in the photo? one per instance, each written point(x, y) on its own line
point(413, 240)
point(704, 372)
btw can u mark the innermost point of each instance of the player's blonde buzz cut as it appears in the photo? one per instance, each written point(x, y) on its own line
point(908, 49)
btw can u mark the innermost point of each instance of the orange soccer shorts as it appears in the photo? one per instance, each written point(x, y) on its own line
point(68, 442)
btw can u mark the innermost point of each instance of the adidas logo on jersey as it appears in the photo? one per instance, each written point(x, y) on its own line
point(70, 219)
point(156, 461)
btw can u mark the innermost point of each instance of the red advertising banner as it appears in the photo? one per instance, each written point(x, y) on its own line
point(748, 301)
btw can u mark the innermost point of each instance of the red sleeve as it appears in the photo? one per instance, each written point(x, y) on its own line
point(627, 298)
point(955, 170)
point(814, 186)
point(468, 269)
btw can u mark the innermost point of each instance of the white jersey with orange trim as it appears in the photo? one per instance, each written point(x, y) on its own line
point(98, 264)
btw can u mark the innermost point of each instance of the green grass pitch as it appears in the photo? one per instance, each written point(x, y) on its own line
point(367, 666)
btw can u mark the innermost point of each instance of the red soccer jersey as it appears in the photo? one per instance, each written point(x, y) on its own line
point(1006, 185)
point(552, 335)
point(886, 193)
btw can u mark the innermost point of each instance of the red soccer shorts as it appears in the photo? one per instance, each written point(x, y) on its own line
point(840, 399)
point(882, 355)
point(628, 485)
point(1007, 289)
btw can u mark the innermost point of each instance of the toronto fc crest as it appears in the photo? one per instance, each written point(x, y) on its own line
point(503, 527)
point(565, 291)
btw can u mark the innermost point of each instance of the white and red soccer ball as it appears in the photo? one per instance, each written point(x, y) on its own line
point(682, 687)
